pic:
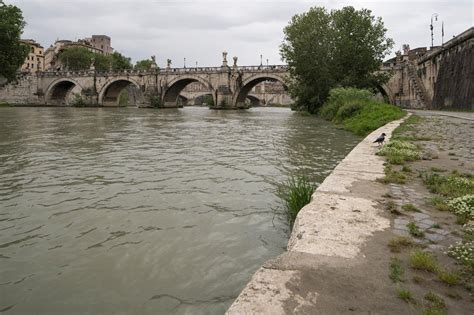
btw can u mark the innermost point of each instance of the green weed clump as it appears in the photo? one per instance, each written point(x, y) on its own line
point(439, 203)
point(405, 295)
point(397, 271)
point(423, 261)
point(357, 110)
point(451, 186)
point(415, 230)
point(392, 176)
point(295, 193)
point(399, 152)
point(397, 243)
point(450, 278)
point(410, 207)
point(436, 304)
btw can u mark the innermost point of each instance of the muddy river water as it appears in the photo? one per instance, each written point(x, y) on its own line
point(143, 211)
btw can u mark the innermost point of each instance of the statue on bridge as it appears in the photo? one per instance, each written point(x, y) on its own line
point(235, 61)
point(168, 63)
point(224, 59)
point(153, 62)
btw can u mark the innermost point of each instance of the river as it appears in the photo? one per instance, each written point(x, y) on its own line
point(143, 211)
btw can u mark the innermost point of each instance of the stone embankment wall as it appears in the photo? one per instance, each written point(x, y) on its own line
point(455, 85)
point(331, 230)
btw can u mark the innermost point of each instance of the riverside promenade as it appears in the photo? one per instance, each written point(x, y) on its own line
point(336, 260)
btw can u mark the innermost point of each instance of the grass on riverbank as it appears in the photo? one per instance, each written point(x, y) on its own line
point(357, 110)
point(295, 193)
point(4, 104)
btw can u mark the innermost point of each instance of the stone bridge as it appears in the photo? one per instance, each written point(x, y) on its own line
point(229, 86)
point(442, 77)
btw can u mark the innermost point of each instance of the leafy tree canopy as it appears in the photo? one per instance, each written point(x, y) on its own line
point(76, 58)
point(328, 49)
point(79, 58)
point(143, 64)
point(120, 62)
point(12, 52)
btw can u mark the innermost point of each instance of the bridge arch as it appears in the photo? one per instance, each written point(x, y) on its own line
point(111, 90)
point(177, 85)
point(59, 92)
point(386, 93)
point(247, 85)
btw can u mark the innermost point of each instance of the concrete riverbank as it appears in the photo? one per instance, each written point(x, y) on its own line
point(336, 260)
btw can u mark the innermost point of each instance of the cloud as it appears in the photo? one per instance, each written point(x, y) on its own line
point(200, 30)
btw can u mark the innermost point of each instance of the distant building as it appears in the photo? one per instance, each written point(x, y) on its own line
point(34, 62)
point(99, 44)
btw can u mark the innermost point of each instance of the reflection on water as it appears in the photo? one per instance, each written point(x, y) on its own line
point(135, 211)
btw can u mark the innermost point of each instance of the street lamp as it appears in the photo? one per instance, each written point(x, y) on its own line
point(261, 60)
point(184, 62)
point(435, 15)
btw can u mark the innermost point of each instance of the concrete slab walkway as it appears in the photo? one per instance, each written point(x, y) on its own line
point(460, 115)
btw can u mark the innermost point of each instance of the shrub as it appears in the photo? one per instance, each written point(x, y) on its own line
point(155, 101)
point(340, 96)
point(78, 100)
point(372, 116)
point(295, 193)
point(348, 110)
point(357, 110)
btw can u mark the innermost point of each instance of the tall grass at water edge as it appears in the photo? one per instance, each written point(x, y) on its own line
point(358, 111)
point(295, 193)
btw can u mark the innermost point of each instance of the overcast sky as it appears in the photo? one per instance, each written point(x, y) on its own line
point(199, 30)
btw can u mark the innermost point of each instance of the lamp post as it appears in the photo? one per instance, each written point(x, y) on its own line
point(261, 60)
point(435, 15)
point(185, 62)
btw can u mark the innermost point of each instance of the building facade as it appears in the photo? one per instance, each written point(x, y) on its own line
point(35, 61)
point(99, 44)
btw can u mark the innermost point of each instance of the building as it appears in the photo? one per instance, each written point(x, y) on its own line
point(99, 44)
point(35, 60)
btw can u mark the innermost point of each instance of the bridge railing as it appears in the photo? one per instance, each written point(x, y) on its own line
point(262, 68)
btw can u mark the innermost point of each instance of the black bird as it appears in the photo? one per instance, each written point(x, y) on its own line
point(380, 140)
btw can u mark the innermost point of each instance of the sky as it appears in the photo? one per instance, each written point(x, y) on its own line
point(200, 30)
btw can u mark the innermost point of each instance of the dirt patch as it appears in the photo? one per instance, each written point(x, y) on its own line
point(447, 144)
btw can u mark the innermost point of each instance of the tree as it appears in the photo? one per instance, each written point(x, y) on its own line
point(120, 62)
point(76, 58)
point(12, 52)
point(328, 49)
point(143, 64)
